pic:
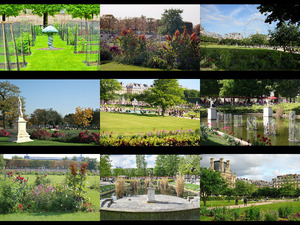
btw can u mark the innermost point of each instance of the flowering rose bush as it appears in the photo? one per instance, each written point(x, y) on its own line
point(57, 134)
point(85, 137)
point(4, 133)
point(40, 134)
point(155, 138)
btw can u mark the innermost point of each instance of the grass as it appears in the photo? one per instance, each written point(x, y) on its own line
point(94, 196)
point(64, 60)
point(3, 141)
point(223, 203)
point(114, 66)
point(137, 123)
point(214, 140)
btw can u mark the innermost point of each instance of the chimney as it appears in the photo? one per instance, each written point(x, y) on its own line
point(227, 166)
point(212, 163)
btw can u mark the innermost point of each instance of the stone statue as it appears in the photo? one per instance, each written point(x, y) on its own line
point(20, 108)
point(211, 102)
point(151, 178)
point(267, 100)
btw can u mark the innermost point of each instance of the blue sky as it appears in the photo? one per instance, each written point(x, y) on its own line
point(96, 156)
point(224, 19)
point(128, 161)
point(61, 95)
point(189, 83)
point(258, 166)
point(190, 13)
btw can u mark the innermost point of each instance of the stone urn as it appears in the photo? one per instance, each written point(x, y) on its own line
point(50, 31)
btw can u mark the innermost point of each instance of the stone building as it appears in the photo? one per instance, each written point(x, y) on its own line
point(224, 168)
point(133, 88)
point(257, 183)
point(287, 178)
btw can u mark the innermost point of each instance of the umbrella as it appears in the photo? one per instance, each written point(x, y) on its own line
point(272, 97)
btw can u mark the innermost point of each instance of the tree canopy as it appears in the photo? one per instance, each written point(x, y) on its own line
point(108, 88)
point(45, 10)
point(171, 21)
point(7, 10)
point(105, 166)
point(83, 11)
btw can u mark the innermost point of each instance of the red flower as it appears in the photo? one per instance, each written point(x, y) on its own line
point(184, 32)
point(45, 175)
point(177, 33)
point(258, 135)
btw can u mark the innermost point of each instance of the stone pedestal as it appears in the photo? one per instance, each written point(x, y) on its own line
point(212, 114)
point(151, 195)
point(19, 134)
point(268, 111)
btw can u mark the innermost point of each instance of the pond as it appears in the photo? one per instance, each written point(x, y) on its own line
point(281, 126)
point(159, 190)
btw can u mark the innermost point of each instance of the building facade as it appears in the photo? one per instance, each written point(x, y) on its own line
point(133, 88)
point(224, 168)
point(279, 181)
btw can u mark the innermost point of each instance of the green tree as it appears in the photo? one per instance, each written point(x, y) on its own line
point(166, 93)
point(159, 169)
point(211, 183)
point(243, 188)
point(7, 10)
point(187, 162)
point(285, 35)
point(289, 88)
point(141, 165)
point(92, 163)
point(69, 119)
point(288, 187)
point(119, 172)
point(105, 166)
point(289, 11)
point(210, 87)
point(171, 163)
point(7, 91)
point(83, 11)
point(17, 157)
point(45, 10)
point(108, 87)
point(171, 20)
point(2, 161)
point(259, 39)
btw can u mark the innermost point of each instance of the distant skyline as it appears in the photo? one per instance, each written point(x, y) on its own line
point(225, 19)
point(96, 156)
point(61, 95)
point(189, 83)
point(191, 12)
point(257, 166)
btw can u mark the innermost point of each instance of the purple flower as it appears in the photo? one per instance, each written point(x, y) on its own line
point(149, 134)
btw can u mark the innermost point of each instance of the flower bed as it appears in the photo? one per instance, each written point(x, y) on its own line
point(16, 195)
point(158, 138)
point(178, 52)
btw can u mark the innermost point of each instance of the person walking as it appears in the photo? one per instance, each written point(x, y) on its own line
point(245, 201)
point(237, 200)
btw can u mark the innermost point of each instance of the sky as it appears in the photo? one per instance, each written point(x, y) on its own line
point(61, 95)
point(189, 83)
point(96, 156)
point(128, 161)
point(191, 13)
point(224, 19)
point(257, 166)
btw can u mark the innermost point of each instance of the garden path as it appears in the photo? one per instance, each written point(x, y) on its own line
point(254, 204)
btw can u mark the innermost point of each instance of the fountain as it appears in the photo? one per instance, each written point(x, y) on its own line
point(220, 117)
point(294, 128)
point(251, 123)
point(227, 118)
point(268, 110)
point(150, 206)
point(212, 112)
point(134, 103)
point(269, 126)
point(19, 133)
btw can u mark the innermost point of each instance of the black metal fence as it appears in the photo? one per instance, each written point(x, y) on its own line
point(85, 37)
point(15, 42)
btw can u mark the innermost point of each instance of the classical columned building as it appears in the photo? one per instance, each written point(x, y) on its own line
point(224, 168)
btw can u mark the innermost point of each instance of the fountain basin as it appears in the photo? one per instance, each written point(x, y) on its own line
point(166, 207)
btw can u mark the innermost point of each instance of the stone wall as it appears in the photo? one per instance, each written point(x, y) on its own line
point(37, 20)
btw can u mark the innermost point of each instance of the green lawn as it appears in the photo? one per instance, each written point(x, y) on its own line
point(3, 141)
point(214, 140)
point(136, 123)
point(114, 66)
point(223, 203)
point(64, 59)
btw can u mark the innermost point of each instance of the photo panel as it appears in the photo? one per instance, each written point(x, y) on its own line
point(150, 187)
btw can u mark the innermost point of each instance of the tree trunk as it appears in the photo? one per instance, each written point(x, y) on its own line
point(3, 17)
point(45, 22)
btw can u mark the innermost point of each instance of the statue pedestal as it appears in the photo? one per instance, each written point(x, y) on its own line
point(151, 195)
point(211, 114)
point(268, 111)
point(19, 134)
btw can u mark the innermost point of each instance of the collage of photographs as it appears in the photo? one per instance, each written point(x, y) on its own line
point(122, 144)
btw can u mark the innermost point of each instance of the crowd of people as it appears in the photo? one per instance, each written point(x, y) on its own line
point(218, 102)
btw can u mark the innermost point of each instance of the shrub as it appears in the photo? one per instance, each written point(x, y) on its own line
point(57, 134)
point(120, 187)
point(179, 185)
point(236, 213)
point(40, 134)
point(134, 183)
point(26, 39)
point(285, 211)
point(85, 137)
point(105, 55)
point(271, 216)
point(164, 182)
point(41, 180)
point(253, 214)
